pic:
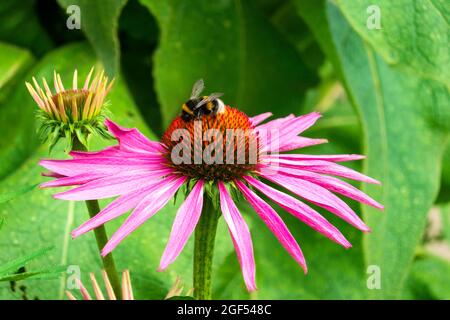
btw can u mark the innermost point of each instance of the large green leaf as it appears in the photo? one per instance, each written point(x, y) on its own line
point(429, 279)
point(99, 21)
point(403, 146)
point(21, 26)
point(414, 34)
point(13, 63)
point(9, 270)
point(233, 48)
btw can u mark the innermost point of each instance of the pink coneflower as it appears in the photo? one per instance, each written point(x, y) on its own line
point(145, 175)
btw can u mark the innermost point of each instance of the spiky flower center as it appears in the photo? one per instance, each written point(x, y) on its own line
point(213, 147)
point(74, 104)
point(79, 95)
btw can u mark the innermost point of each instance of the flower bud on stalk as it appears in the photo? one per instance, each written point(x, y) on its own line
point(73, 112)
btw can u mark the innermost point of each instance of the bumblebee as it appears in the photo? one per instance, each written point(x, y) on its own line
point(198, 105)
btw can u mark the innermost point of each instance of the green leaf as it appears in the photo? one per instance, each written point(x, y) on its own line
point(15, 264)
point(99, 21)
point(37, 219)
point(429, 279)
point(4, 197)
point(413, 36)
point(237, 52)
point(9, 270)
point(42, 274)
point(21, 26)
point(14, 62)
point(403, 146)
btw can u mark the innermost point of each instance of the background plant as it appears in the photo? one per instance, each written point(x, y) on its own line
point(384, 93)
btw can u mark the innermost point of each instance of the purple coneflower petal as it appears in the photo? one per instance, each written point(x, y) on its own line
point(144, 211)
point(333, 184)
point(301, 211)
point(298, 125)
point(240, 235)
point(185, 221)
point(275, 124)
point(260, 118)
point(74, 167)
point(319, 196)
point(333, 158)
point(298, 143)
point(83, 290)
point(289, 130)
point(72, 181)
point(112, 186)
point(118, 207)
point(274, 223)
point(132, 139)
point(326, 167)
point(114, 152)
point(52, 174)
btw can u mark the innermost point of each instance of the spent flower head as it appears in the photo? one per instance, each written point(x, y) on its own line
point(75, 112)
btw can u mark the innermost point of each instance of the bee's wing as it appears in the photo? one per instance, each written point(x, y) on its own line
point(209, 98)
point(197, 88)
point(215, 95)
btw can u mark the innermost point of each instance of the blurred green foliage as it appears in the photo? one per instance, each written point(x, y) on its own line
point(383, 92)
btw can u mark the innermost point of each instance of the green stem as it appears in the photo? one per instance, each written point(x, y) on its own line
point(205, 235)
point(101, 237)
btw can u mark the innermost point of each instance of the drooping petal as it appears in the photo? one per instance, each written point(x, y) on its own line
point(133, 140)
point(71, 181)
point(298, 143)
point(298, 125)
point(333, 157)
point(240, 235)
point(326, 167)
point(301, 211)
point(118, 207)
point(274, 223)
point(144, 211)
point(289, 129)
point(114, 152)
point(260, 118)
point(319, 196)
point(185, 222)
point(274, 124)
point(112, 186)
point(331, 183)
point(74, 167)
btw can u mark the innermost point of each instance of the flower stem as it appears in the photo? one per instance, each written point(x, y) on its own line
point(101, 237)
point(205, 235)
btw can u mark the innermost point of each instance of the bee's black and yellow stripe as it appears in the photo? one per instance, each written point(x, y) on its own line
point(187, 109)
